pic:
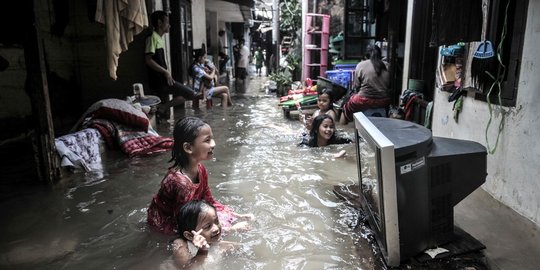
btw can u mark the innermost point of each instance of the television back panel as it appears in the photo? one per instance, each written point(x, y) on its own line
point(463, 166)
point(413, 206)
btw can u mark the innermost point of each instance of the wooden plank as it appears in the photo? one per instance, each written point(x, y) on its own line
point(36, 86)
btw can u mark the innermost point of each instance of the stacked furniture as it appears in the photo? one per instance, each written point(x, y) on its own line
point(315, 52)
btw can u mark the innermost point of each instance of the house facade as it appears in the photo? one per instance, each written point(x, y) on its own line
point(509, 131)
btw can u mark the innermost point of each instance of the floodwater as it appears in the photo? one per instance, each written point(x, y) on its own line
point(98, 220)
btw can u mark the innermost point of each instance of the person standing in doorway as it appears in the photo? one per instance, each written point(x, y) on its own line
point(160, 78)
point(223, 57)
point(243, 61)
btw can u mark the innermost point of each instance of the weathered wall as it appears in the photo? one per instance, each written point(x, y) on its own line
point(78, 59)
point(90, 47)
point(14, 102)
point(198, 23)
point(513, 169)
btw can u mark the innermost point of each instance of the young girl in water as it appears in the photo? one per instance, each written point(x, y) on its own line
point(187, 179)
point(198, 230)
point(325, 102)
point(323, 133)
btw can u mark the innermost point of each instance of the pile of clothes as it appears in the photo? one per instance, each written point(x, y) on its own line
point(119, 124)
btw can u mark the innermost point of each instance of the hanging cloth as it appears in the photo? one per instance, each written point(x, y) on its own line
point(123, 19)
point(455, 21)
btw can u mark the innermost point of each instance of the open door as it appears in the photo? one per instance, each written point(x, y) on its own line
point(181, 39)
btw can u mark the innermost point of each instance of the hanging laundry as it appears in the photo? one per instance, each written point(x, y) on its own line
point(407, 100)
point(123, 19)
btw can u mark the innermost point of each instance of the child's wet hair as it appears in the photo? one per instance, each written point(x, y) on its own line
point(188, 215)
point(317, 121)
point(186, 130)
point(329, 92)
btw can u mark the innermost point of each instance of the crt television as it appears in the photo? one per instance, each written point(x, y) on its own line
point(410, 182)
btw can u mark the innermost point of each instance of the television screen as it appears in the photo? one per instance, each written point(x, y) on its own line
point(369, 179)
point(410, 183)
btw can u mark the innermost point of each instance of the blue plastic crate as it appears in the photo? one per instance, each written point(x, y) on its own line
point(345, 66)
point(341, 77)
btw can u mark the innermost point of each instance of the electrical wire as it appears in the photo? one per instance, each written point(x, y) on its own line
point(498, 79)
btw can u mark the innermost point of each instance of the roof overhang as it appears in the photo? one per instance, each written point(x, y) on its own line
point(231, 10)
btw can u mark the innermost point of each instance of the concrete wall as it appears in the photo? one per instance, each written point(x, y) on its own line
point(212, 26)
point(82, 53)
point(198, 23)
point(14, 102)
point(513, 170)
point(91, 60)
point(78, 56)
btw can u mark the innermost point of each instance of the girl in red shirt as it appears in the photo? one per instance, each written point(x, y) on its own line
point(187, 179)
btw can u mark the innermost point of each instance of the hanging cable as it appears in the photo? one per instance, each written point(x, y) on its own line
point(497, 82)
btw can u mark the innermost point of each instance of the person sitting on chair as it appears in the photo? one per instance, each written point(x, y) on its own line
point(160, 79)
point(373, 84)
point(205, 76)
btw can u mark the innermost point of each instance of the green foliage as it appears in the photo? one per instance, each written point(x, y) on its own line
point(290, 17)
point(290, 25)
point(283, 79)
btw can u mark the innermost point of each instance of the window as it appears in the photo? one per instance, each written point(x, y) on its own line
point(512, 46)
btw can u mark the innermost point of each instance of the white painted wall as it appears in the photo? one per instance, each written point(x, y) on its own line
point(198, 23)
point(514, 169)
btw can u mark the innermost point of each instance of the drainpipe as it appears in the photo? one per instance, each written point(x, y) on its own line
point(275, 32)
point(407, 50)
point(305, 5)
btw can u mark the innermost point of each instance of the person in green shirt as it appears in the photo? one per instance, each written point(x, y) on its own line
point(259, 60)
point(160, 78)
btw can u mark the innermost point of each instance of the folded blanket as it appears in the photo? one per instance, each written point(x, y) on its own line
point(80, 149)
point(131, 141)
point(146, 145)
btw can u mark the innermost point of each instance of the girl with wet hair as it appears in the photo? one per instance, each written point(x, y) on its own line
point(187, 179)
point(325, 102)
point(199, 230)
point(323, 133)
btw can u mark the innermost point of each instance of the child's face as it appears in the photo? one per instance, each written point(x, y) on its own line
point(203, 146)
point(324, 102)
point(326, 130)
point(209, 223)
point(202, 59)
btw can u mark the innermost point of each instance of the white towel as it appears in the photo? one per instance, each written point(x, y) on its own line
point(123, 19)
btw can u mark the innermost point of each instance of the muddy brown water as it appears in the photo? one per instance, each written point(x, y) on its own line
point(96, 220)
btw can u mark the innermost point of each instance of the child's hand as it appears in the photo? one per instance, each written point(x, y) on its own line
point(339, 154)
point(309, 122)
point(241, 226)
point(199, 240)
point(248, 216)
point(302, 118)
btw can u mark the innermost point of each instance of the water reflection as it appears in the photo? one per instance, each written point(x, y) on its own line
point(89, 222)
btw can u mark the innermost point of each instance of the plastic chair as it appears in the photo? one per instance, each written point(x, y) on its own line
point(376, 112)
